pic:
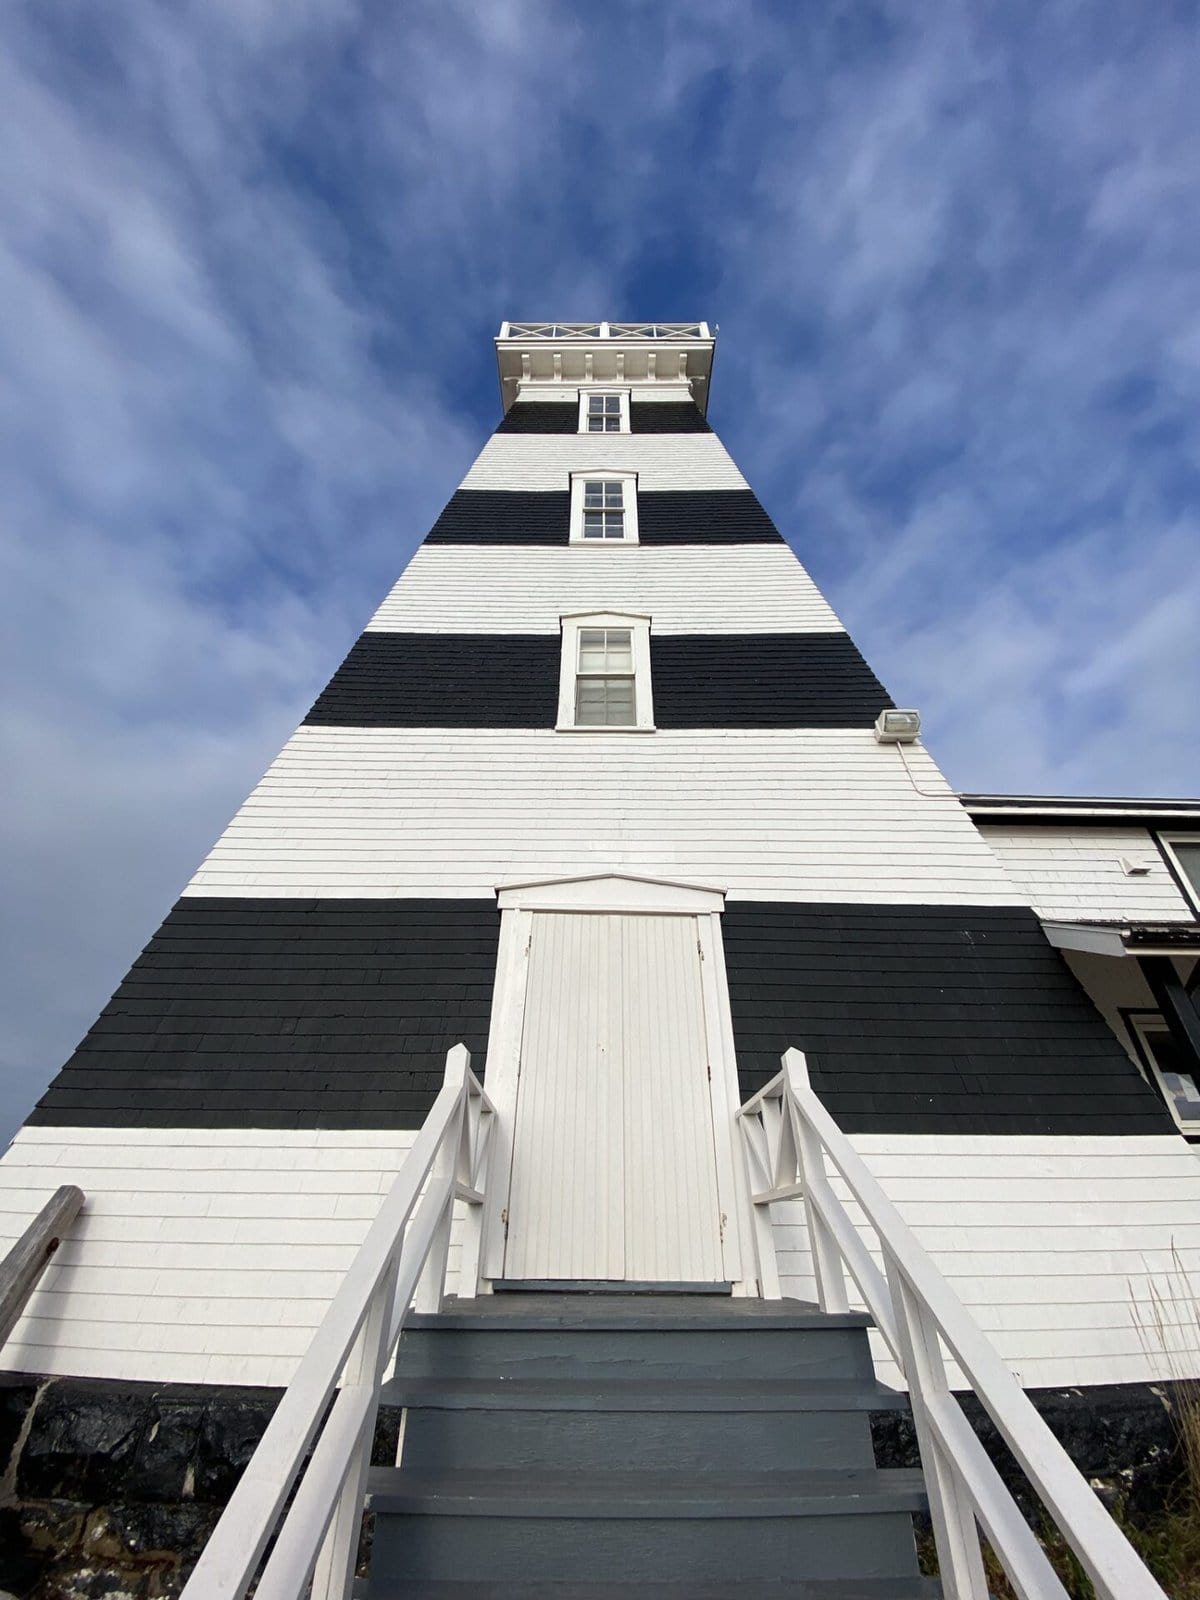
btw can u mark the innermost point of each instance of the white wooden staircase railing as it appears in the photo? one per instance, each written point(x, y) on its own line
point(791, 1141)
point(405, 1251)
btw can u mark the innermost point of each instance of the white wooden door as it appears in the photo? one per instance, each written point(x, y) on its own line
point(614, 1172)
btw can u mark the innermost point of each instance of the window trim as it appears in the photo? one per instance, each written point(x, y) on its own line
point(1166, 844)
point(643, 697)
point(628, 482)
point(604, 389)
point(1139, 1021)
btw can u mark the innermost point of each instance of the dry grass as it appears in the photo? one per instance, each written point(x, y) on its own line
point(1168, 1541)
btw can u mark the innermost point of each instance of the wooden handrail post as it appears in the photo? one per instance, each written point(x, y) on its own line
point(810, 1157)
point(433, 1279)
point(24, 1264)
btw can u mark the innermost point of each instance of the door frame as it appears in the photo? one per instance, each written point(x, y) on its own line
point(633, 895)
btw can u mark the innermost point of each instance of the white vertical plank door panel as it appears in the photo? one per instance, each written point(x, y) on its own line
point(565, 1196)
point(672, 1210)
point(613, 1165)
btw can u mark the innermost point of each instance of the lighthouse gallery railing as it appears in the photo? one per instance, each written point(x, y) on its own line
point(404, 1252)
point(791, 1141)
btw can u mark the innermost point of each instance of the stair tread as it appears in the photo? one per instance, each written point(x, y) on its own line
point(796, 1589)
point(646, 1495)
point(613, 1312)
point(639, 1394)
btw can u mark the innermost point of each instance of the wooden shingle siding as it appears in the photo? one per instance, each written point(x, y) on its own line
point(674, 517)
point(924, 1019)
point(286, 1014)
point(547, 416)
point(777, 680)
point(202, 1255)
point(811, 815)
point(661, 460)
point(444, 680)
point(1054, 1244)
point(683, 516)
point(209, 1256)
point(541, 416)
point(452, 589)
point(1075, 873)
point(678, 416)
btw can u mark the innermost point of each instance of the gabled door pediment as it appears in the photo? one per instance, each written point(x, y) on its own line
point(611, 891)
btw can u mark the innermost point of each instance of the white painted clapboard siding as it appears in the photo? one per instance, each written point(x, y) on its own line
point(1052, 1243)
point(808, 815)
point(210, 1256)
point(526, 589)
point(201, 1256)
point(1076, 872)
point(541, 461)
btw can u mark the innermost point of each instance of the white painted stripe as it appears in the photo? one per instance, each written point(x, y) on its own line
point(750, 588)
point(1054, 1244)
point(545, 461)
point(1076, 873)
point(805, 815)
point(640, 392)
point(137, 1294)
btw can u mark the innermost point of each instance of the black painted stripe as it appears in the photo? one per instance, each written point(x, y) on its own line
point(764, 680)
point(440, 680)
point(557, 416)
point(537, 416)
point(929, 1019)
point(667, 416)
point(675, 517)
point(338, 1014)
point(286, 1014)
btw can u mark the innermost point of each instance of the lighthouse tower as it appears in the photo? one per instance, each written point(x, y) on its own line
point(605, 792)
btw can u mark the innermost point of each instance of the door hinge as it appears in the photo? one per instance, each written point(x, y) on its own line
point(721, 1226)
point(699, 949)
point(504, 1220)
point(708, 1069)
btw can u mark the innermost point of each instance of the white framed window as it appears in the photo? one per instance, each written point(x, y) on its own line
point(604, 508)
point(1182, 851)
point(604, 411)
point(1163, 1059)
point(604, 683)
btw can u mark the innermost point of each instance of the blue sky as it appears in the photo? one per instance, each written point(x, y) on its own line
point(252, 255)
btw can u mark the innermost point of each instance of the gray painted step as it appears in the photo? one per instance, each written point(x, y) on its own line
point(640, 1394)
point(680, 1440)
point(631, 1311)
point(613, 1444)
point(817, 1589)
point(632, 1527)
point(666, 1353)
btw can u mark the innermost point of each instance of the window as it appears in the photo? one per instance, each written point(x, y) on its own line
point(1175, 1076)
point(1182, 851)
point(603, 508)
point(606, 412)
point(605, 676)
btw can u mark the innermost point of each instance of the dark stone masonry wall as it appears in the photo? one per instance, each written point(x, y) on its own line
point(111, 1490)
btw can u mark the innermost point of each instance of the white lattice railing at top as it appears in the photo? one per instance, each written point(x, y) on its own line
point(604, 330)
point(405, 1252)
point(791, 1142)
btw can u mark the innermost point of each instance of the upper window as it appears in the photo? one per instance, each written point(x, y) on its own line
point(603, 412)
point(605, 678)
point(1183, 852)
point(603, 508)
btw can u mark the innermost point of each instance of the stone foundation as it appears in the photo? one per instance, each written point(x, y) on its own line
point(111, 1490)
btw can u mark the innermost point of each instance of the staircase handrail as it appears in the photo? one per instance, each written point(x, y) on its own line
point(788, 1136)
point(404, 1252)
point(22, 1266)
